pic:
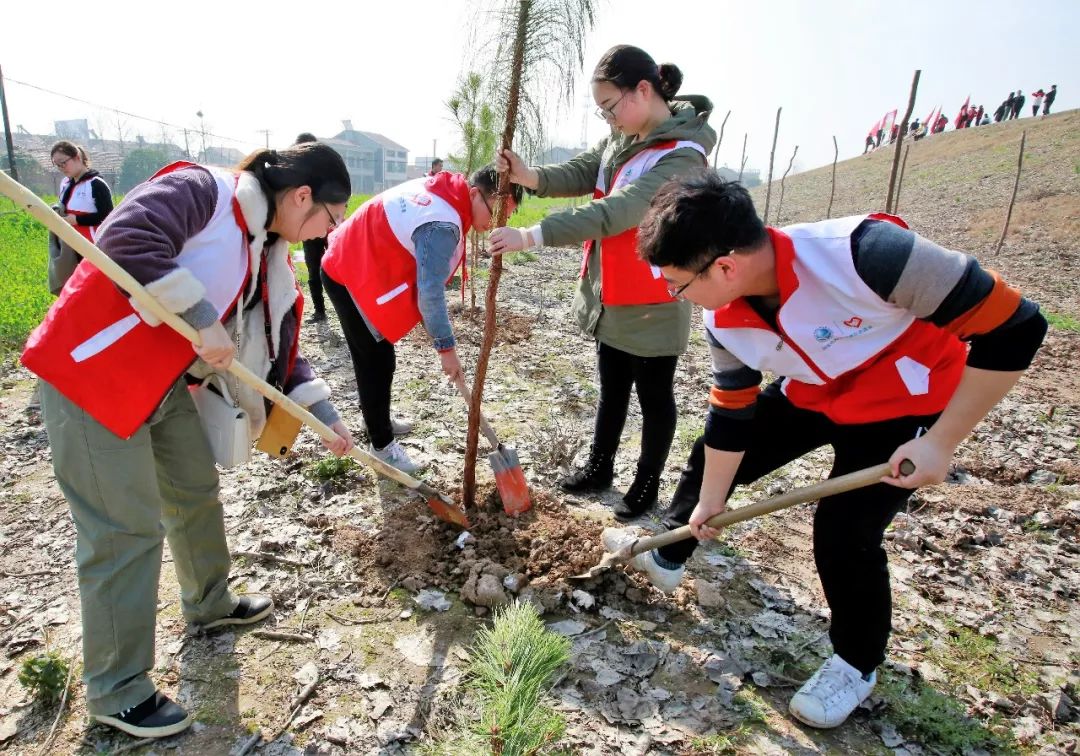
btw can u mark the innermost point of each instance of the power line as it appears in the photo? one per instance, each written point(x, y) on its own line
point(121, 112)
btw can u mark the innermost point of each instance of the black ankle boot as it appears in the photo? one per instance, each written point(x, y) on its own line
point(596, 475)
point(640, 497)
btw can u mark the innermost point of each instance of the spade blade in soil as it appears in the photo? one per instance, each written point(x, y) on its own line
point(510, 481)
point(446, 511)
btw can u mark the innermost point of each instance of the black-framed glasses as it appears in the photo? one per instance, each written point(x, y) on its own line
point(64, 162)
point(608, 114)
point(334, 223)
point(485, 201)
point(678, 293)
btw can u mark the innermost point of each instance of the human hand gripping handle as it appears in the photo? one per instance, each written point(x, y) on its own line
point(509, 161)
point(451, 365)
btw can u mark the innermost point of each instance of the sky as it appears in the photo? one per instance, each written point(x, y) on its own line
point(834, 67)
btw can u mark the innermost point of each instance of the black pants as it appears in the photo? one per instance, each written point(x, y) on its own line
point(313, 253)
point(848, 528)
point(373, 361)
point(654, 379)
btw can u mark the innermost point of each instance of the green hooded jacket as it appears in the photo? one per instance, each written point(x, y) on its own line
point(654, 330)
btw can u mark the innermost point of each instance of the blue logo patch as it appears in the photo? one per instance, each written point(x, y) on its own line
point(822, 334)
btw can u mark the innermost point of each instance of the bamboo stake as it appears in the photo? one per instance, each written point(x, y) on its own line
point(772, 154)
point(1016, 185)
point(900, 181)
point(742, 160)
point(720, 139)
point(780, 204)
point(900, 138)
point(832, 192)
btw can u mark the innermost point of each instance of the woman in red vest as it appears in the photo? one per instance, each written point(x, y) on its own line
point(84, 197)
point(129, 451)
point(622, 303)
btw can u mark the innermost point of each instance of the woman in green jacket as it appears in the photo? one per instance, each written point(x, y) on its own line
point(622, 302)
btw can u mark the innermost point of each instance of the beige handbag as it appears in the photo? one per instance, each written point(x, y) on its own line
point(224, 420)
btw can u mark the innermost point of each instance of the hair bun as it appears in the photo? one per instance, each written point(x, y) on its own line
point(670, 79)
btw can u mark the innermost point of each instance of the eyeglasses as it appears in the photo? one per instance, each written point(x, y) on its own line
point(484, 199)
point(678, 293)
point(334, 222)
point(62, 163)
point(608, 114)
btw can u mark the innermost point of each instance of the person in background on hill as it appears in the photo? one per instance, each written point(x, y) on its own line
point(436, 167)
point(985, 120)
point(1009, 102)
point(386, 270)
point(1036, 101)
point(205, 242)
point(869, 143)
point(979, 114)
point(999, 114)
point(621, 302)
point(893, 348)
point(313, 254)
point(1018, 105)
point(942, 122)
point(1049, 99)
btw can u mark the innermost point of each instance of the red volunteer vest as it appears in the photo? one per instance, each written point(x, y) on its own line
point(81, 202)
point(372, 253)
point(96, 350)
point(842, 350)
point(626, 279)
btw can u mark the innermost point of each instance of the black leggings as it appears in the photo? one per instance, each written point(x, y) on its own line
point(654, 379)
point(848, 528)
point(373, 361)
point(313, 254)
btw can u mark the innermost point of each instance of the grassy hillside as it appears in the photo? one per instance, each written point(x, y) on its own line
point(956, 191)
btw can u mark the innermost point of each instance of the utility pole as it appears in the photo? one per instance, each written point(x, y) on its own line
point(202, 131)
point(266, 133)
point(7, 130)
point(187, 147)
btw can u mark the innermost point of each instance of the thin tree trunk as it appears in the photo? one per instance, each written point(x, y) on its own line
point(474, 258)
point(832, 192)
point(719, 139)
point(900, 181)
point(900, 139)
point(772, 154)
point(502, 210)
point(742, 160)
point(780, 204)
point(1016, 185)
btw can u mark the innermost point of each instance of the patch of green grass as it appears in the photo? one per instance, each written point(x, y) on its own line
point(522, 257)
point(976, 660)
point(44, 676)
point(939, 722)
point(24, 291)
point(1062, 322)
point(329, 468)
point(534, 209)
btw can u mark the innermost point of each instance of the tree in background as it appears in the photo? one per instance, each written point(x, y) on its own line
point(472, 111)
point(138, 166)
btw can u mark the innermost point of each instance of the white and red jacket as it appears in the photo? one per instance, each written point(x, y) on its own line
point(117, 363)
point(372, 254)
point(842, 349)
point(625, 279)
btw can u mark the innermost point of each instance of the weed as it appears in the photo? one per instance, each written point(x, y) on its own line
point(1063, 322)
point(974, 658)
point(522, 257)
point(44, 676)
point(329, 468)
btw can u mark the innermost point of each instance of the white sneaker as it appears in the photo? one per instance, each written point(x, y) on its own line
point(664, 579)
point(831, 694)
point(398, 426)
point(394, 454)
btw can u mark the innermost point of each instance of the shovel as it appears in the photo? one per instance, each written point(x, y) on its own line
point(441, 506)
point(829, 487)
point(509, 477)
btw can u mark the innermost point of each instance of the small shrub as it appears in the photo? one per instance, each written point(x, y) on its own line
point(329, 468)
point(44, 676)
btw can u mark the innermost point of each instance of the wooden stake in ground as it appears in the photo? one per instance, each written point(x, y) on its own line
point(719, 139)
point(780, 204)
point(742, 160)
point(900, 139)
point(1016, 185)
point(832, 192)
point(772, 154)
point(900, 181)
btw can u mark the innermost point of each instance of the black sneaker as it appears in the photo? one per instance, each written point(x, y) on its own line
point(596, 475)
point(640, 497)
point(252, 608)
point(317, 317)
point(156, 717)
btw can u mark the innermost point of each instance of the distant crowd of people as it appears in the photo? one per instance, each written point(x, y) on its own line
point(1012, 107)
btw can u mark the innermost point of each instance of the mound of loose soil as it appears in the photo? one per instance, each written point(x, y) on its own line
point(510, 327)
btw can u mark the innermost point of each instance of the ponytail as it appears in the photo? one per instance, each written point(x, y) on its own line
point(308, 164)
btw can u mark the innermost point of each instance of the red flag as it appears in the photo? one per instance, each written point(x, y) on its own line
point(874, 128)
point(962, 115)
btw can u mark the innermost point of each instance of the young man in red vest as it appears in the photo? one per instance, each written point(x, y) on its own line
point(386, 269)
point(890, 347)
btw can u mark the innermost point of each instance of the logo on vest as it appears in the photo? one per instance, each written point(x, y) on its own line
point(421, 199)
point(844, 329)
point(822, 334)
point(853, 322)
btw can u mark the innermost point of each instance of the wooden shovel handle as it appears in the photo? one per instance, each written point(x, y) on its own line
point(485, 426)
point(42, 212)
point(830, 487)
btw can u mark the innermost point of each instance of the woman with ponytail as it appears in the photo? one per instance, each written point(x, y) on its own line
point(212, 245)
point(639, 328)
